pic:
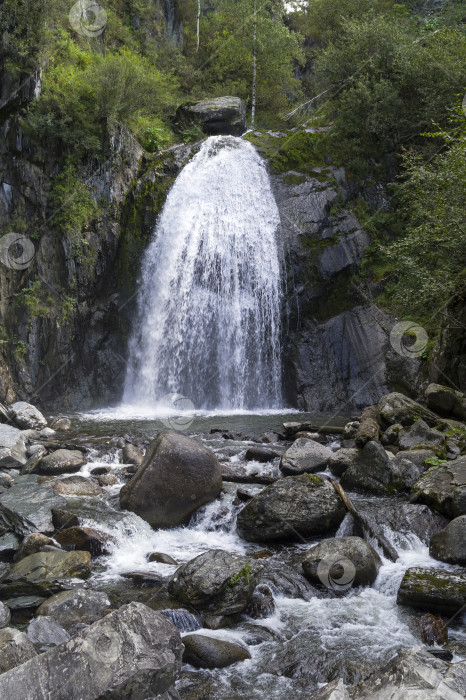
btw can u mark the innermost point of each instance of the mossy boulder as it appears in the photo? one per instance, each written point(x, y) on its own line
point(398, 408)
point(44, 566)
point(444, 488)
point(446, 401)
point(434, 590)
point(449, 545)
point(373, 470)
point(296, 506)
point(305, 456)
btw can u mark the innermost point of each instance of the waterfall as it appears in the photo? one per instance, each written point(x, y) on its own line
point(208, 311)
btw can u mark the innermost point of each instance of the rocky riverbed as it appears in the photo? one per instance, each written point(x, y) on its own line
point(242, 556)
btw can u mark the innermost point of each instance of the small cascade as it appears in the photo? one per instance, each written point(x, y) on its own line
point(183, 619)
point(208, 320)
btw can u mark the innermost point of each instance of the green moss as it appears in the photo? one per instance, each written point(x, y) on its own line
point(296, 150)
point(313, 479)
point(243, 575)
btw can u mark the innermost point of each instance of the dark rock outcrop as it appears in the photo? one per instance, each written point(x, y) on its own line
point(220, 115)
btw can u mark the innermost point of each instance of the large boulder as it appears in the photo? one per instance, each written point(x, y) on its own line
point(209, 652)
point(15, 649)
point(398, 408)
point(132, 653)
point(61, 462)
point(294, 507)
point(79, 605)
point(221, 115)
point(342, 459)
point(45, 631)
point(373, 470)
point(419, 433)
point(132, 455)
point(178, 476)
point(285, 581)
point(86, 539)
point(76, 486)
point(27, 506)
point(12, 447)
point(449, 544)
point(444, 488)
point(48, 566)
point(413, 675)
point(446, 401)
point(341, 563)
point(435, 590)
point(27, 416)
point(217, 582)
point(305, 456)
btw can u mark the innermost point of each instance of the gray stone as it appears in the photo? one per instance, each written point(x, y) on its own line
point(27, 416)
point(210, 652)
point(132, 653)
point(398, 408)
point(61, 424)
point(32, 544)
point(293, 507)
point(216, 582)
point(6, 480)
point(342, 459)
point(178, 476)
point(5, 616)
point(449, 544)
point(414, 675)
point(132, 455)
point(27, 506)
point(61, 462)
point(76, 486)
point(262, 603)
point(47, 433)
point(12, 447)
point(435, 590)
point(305, 456)
point(333, 691)
point(372, 470)
point(220, 115)
point(45, 631)
point(285, 581)
point(15, 649)
point(419, 433)
point(260, 454)
point(45, 566)
point(79, 605)
point(446, 401)
point(360, 568)
point(444, 488)
point(390, 436)
point(162, 558)
point(85, 538)
point(9, 543)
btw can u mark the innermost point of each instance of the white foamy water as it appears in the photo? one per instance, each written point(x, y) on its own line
point(209, 313)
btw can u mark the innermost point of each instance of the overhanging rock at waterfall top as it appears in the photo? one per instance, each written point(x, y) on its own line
point(221, 115)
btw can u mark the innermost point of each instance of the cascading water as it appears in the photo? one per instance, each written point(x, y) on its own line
point(209, 302)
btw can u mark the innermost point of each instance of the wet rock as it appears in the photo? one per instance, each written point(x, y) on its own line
point(285, 581)
point(35, 448)
point(414, 675)
point(28, 506)
point(162, 558)
point(305, 456)
point(27, 416)
point(419, 457)
point(390, 436)
point(292, 507)
point(342, 459)
point(446, 401)
point(86, 539)
point(349, 430)
point(12, 447)
point(218, 582)
point(398, 408)
point(178, 476)
point(5, 616)
point(260, 454)
point(76, 486)
point(335, 690)
point(449, 544)
point(433, 630)
point(15, 649)
point(62, 518)
point(219, 115)
point(51, 565)
point(47, 433)
point(209, 652)
point(132, 653)
point(9, 544)
point(368, 428)
point(31, 544)
point(61, 462)
point(107, 480)
point(403, 518)
point(132, 455)
point(373, 471)
point(444, 488)
point(270, 438)
point(435, 590)
point(258, 634)
point(71, 607)
point(262, 603)
point(45, 631)
point(34, 460)
point(6, 480)
point(341, 563)
point(25, 602)
point(61, 424)
point(183, 619)
point(419, 433)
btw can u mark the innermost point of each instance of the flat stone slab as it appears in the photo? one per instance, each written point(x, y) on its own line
point(26, 506)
